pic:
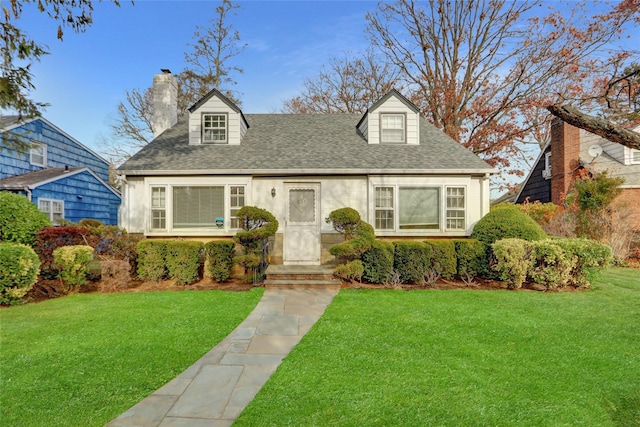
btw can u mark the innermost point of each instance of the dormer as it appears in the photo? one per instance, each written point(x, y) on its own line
point(215, 119)
point(391, 120)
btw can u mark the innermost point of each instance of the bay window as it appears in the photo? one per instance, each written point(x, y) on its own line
point(197, 206)
point(418, 208)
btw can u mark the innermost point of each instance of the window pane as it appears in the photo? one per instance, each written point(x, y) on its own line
point(197, 206)
point(214, 127)
point(455, 208)
point(384, 220)
point(37, 154)
point(159, 219)
point(158, 197)
point(392, 127)
point(419, 208)
point(237, 201)
point(635, 156)
point(45, 206)
point(302, 205)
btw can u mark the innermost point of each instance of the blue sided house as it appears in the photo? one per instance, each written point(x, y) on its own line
point(64, 178)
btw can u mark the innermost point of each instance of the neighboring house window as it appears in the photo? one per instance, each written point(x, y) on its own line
point(158, 208)
point(197, 206)
point(546, 173)
point(53, 208)
point(392, 129)
point(635, 157)
point(237, 201)
point(214, 128)
point(384, 208)
point(38, 154)
point(455, 208)
point(419, 208)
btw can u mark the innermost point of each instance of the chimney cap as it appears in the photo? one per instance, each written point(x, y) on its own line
point(165, 70)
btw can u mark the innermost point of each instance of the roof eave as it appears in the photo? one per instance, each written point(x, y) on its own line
point(279, 172)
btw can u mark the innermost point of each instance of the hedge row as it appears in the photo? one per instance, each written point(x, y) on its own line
point(180, 260)
point(554, 263)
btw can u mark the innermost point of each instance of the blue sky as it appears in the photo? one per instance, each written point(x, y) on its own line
point(86, 75)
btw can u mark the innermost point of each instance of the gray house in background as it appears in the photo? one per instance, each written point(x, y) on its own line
point(404, 176)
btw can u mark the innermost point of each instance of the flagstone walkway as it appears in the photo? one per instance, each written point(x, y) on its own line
point(216, 389)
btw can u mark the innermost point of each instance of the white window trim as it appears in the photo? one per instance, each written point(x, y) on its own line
point(633, 152)
point(463, 209)
point(44, 154)
point(152, 208)
point(231, 206)
point(546, 172)
point(225, 230)
point(404, 128)
point(226, 128)
point(51, 203)
point(442, 205)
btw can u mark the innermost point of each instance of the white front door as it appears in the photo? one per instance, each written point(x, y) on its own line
point(302, 224)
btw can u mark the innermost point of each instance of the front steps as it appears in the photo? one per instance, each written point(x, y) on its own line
point(301, 277)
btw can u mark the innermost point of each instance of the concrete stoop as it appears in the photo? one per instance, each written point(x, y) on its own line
point(301, 277)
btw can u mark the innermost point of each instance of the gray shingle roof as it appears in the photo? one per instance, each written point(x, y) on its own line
point(303, 143)
point(32, 179)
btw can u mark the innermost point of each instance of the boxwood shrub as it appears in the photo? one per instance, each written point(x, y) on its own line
point(151, 259)
point(472, 259)
point(443, 259)
point(552, 265)
point(591, 259)
point(513, 261)
point(378, 262)
point(352, 270)
point(504, 223)
point(219, 259)
point(73, 262)
point(411, 260)
point(19, 267)
point(20, 219)
point(183, 261)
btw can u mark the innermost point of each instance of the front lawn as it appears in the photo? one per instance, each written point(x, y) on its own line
point(385, 357)
point(84, 359)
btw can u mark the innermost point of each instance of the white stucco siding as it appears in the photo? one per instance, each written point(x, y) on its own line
point(394, 105)
point(215, 105)
point(335, 193)
point(132, 210)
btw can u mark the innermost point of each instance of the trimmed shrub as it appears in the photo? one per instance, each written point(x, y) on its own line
point(73, 262)
point(258, 224)
point(19, 268)
point(48, 239)
point(116, 243)
point(350, 250)
point(151, 259)
point(591, 259)
point(443, 259)
point(378, 262)
point(219, 259)
point(471, 258)
point(411, 260)
point(551, 265)
point(183, 261)
point(345, 221)
point(513, 261)
point(20, 219)
point(115, 275)
point(504, 223)
point(353, 270)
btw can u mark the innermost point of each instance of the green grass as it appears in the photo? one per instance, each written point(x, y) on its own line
point(451, 358)
point(84, 359)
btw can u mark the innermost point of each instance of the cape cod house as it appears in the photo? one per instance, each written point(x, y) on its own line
point(63, 177)
point(404, 176)
point(571, 149)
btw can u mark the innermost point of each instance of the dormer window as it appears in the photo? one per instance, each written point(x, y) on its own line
point(392, 128)
point(214, 128)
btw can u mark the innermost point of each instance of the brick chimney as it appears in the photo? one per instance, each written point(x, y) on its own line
point(565, 158)
point(165, 102)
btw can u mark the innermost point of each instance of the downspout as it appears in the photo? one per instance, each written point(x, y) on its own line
point(28, 191)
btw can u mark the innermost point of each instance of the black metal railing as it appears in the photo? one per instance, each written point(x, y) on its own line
point(260, 271)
